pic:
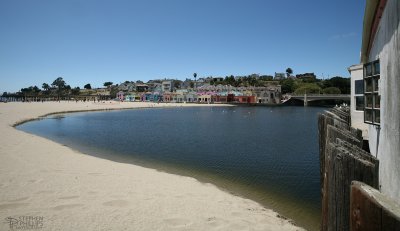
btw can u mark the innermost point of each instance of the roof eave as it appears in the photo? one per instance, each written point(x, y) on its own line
point(369, 15)
point(374, 10)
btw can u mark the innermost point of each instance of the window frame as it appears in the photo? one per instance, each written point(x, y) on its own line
point(357, 106)
point(359, 95)
point(371, 77)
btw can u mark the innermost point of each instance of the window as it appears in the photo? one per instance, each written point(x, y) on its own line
point(359, 103)
point(359, 86)
point(372, 99)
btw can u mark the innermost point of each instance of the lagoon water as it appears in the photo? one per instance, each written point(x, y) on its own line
point(268, 154)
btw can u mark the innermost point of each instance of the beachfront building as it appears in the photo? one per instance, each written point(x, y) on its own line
point(191, 97)
point(222, 97)
point(167, 86)
point(130, 97)
point(380, 57)
point(245, 99)
point(145, 96)
point(206, 93)
point(120, 96)
point(204, 97)
point(167, 97)
point(267, 95)
point(177, 97)
point(157, 96)
point(180, 95)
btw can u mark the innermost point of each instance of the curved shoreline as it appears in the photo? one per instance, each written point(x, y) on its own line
point(71, 190)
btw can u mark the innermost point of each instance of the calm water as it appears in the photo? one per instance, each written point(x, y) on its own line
point(268, 154)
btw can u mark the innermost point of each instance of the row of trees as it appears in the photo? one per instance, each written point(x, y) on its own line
point(58, 88)
point(335, 85)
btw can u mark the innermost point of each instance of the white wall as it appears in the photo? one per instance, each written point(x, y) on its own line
point(357, 117)
point(386, 47)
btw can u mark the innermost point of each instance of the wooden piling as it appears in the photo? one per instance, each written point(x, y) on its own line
point(342, 161)
point(370, 210)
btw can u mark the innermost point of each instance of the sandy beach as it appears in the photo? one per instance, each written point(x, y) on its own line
point(74, 191)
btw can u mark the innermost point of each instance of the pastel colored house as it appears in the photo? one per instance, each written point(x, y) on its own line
point(204, 97)
point(245, 99)
point(120, 96)
point(191, 97)
point(167, 97)
point(157, 97)
point(130, 97)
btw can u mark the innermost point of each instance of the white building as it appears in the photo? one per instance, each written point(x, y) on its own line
point(357, 99)
point(167, 86)
point(380, 56)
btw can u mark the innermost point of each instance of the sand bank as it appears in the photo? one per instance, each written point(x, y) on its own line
point(74, 191)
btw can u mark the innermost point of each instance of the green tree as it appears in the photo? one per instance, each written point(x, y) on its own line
point(195, 78)
point(75, 91)
point(35, 90)
point(32, 91)
point(289, 71)
point(331, 90)
point(238, 82)
point(253, 81)
point(342, 83)
point(24, 92)
point(59, 83)
point(287, 86)
point(113, 92)
point(107, 84)
point(45, 86)
point(230, 80)
point(309, 88)
point(87, 86)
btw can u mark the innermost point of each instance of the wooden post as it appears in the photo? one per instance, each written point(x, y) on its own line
point(342, 161)
point(370, 210)
point(344, 166)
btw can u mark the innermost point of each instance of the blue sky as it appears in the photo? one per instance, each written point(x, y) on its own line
point(94, 41)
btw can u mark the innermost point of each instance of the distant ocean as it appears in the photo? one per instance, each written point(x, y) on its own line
point(268, 154)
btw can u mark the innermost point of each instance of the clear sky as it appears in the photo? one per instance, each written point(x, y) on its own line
point(94, 41)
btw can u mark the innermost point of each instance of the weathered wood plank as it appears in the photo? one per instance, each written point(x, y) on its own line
point(342, 167)
point(342, 160)
point(371, 210)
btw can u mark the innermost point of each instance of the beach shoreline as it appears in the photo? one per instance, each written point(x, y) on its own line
point(74, 191)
